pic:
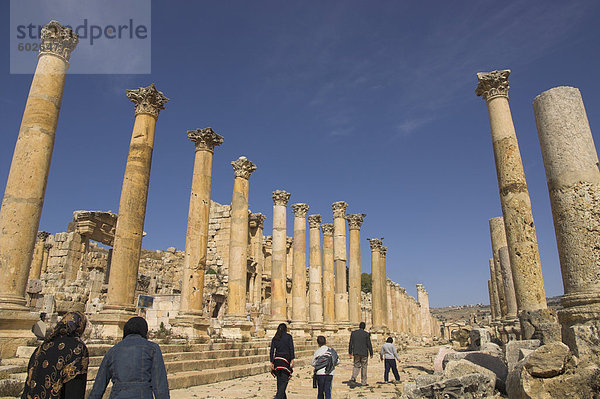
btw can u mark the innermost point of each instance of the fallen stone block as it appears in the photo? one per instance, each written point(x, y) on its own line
point(548, 360)
point(479, 337)
point(472, 386)
point(460, 368)
point(512, 349)
point(485, 360)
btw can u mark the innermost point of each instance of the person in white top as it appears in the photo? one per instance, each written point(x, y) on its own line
point(389, 355)
point(324, 361)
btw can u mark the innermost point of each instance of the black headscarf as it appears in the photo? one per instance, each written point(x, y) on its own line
point(136, 325)
point(60, 358)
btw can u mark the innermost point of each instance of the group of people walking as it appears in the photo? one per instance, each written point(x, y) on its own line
point(326, 358)
point(58, 367)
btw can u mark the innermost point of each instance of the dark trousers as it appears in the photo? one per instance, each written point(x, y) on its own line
point(390, 364)
point(282, 381)
point(324, 385)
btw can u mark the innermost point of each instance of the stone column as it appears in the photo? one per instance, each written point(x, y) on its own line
point(257, 221)
point(289, 247)
point(314, 272)
point(299, 267)
point(355, 221)
point(279, 263)
point(498, 239)
point(339, 259)
point(514, 196)
point(507, 280)
point(193, 322)
point(398, 311)
point(384, 290)
point(268, 255)
point(328, 277)
point(236, 325)
point(423, 299)
point(377, 285)
point(45, 257)
point(492, 302)
point(390, 307)
point(496, 316)
point(132, 211)
point(26, 185)
point(38, 256)
point(571, 164)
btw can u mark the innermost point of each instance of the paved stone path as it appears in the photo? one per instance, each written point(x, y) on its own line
point(414, 361)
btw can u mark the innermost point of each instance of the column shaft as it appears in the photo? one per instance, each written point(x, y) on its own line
point(354, 268)
point(376, 285)
point(299, 310)
point(498, 239)
point(328, 275)
point(314, 273)
point(279, 263)
point(38, 256)
point(384, 286)
point(514, 196)
point(496, 308)
point(256, 245)
point(339, 258)
point(507, 280)
point(26, 185)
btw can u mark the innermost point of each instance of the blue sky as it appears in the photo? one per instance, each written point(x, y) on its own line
point(368, 102)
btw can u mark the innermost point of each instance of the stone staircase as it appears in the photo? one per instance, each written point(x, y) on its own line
point(189, 364)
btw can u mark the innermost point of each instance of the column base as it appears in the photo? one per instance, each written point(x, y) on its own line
point(236, 327)
point(299, 329)
point(511, 330)
point(316, 328)
point(15, 330)
point(580, 327)
point(108, 324)
point(540, 324)
point(13, 302)
point(193, 326)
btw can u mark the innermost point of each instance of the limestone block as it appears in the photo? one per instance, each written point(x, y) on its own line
point(512, 349)
point(25, 352)
point(439, 359)
point(479, 337)
point(485, 360)
point(548, 360)
point(460, 368)
point(523, 353)
point(468, 387)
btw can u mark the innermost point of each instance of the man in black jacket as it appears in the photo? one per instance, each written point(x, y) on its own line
point(360, 347)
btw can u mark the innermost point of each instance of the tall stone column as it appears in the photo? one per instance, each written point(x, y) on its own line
point(390, 306)
point(193, 322)
point(514, 196)
point(339, 259)
point(289, 247)
point(571, 164)
point(398, 311)
point(314, 273)
point(45, 257)
point(498, 239)
point(355, 221)
point(507, 280)
point(38, 256)
point(26, 185)
point(132, 211)
point(328, 277)
point(257, 221)
point(376, 286)
point(423, 299)
point(492, 303)
point(279, 261)
point(236, 325)
point(384, 290)
point(496, 315)
point(299, 267)
point(268, 255)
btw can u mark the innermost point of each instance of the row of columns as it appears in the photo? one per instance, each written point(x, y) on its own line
point(573, 178)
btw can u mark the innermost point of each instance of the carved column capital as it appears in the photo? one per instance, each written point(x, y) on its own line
point(243, 168)
point(327, 229)
point(289, 241)
point(300, 209)
point(375, 243)
point(58, 40)
point(205, 139)
point(339, 209)
point(383, 251)
point(492, 84)
point(268, 243)
point(281, 197)
point(257, 220)
point(42, 235)
point(355, 220)
point(314, 221)
point(47, 247)
point(147, 100)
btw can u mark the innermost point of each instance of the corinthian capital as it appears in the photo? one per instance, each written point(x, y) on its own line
point(492, 84)
point(314, 221)
point(147, 100)
point(205, 139)
point(355, 220)
point(47, 247)
point(339, 209)
point(327, 229)
point(300, 209)
point(243, 168)
point(375, 243)
point(257, 219)
point(289, 241)
point(58, 40)
point(268, 242)
point(42, 235)
point(281, 197)
point(383, 251)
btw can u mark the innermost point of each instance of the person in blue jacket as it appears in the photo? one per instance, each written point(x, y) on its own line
point(135, 366)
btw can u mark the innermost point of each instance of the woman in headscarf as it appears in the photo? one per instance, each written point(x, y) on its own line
point(135, 366)
point(282, 359)
point(58, 367)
